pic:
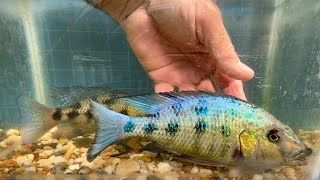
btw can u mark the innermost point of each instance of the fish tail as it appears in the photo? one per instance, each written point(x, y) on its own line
point(36, 119)
point(108, 129)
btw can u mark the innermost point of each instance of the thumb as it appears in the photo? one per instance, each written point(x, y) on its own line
point(213, 35)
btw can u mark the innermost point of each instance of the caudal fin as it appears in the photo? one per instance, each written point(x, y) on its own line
point(36, 119)
point(108, 129)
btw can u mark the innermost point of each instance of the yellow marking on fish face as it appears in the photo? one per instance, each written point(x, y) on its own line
point(248, 142)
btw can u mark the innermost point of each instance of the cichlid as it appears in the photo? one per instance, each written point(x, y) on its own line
point(74, 111)
point(202, 127)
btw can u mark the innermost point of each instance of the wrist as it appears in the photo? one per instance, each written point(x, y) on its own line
point(118, 9)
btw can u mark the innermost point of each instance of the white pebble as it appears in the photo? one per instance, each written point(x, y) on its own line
point(74, 167)
point(150, 154)
point(164, 167)
point(11, 132)
point(67, 171)
point(233, 173)
point(257, 177)
point(25, 160)
point(58, 160)
point(30, 169)
point(143, 171)
point(78, 160)
point(194, 170)
point(115, 161)
point(110, 169)
point(48, 152)
point(206, 171)
point(151, 166)
point(268, 176)
point(136, 155)
point(289, 172)
point(127, 166)
point(46, 163)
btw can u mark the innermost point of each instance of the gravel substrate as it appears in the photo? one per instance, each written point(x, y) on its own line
point(61, 158)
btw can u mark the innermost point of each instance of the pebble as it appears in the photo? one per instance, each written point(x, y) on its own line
point(164, 167)
point(79, 160)
point(127, 166)
point(257, 177)
point(150, 154)
point(30, 169)
point(194, 170)
point(234, 173)
point(11, 132)
point(59, 159)
point(289, 172)
point(205, 171)
point(45, 162)
point(58, 169)
point(74, 167)
point(20, 170)
point(84, 170)
point(109, 169)
point(268, 176)
point(68, 171)
point(82, 142)
point(116, 161)
point(135, 156)
point(143, 171)
point(25, 160)
point(151, 166)
point(187, 169)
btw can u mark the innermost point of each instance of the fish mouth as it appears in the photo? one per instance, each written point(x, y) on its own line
point(301, 155)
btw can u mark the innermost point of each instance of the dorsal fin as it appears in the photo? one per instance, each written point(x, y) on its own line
point(66, 96)
point(152, 103)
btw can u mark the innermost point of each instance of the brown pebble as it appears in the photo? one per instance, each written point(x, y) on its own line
point(146, 158)
point(63, 164)
point(83, 142)
point(10, 163)
point(187, 169)
point(20, 170)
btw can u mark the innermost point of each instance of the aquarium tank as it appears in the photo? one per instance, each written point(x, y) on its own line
point(50, 49)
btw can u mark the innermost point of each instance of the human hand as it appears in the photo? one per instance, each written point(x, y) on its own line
point(181, 43)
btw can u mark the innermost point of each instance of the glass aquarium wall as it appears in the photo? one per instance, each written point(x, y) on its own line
point(61, 43)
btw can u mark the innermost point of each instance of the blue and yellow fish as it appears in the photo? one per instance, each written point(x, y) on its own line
point(202, 127)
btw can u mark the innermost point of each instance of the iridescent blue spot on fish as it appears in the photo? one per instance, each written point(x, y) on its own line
point(129, 127)
point(149, 128)
point(201, 126)
point(177, 109)
point(201, 107)
point(225, 130)
point(249, 116)
point(172, 128)
point(233, 113)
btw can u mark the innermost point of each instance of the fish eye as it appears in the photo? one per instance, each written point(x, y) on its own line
point(273, 136)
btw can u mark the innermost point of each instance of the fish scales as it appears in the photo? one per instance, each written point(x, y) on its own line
point(214, 142)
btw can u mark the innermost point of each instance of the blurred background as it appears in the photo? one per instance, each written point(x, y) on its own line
point(67, 42)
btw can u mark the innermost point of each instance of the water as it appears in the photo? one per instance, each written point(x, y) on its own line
point(66, 42)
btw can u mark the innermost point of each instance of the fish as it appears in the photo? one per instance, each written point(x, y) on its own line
point(74, 110)
point(202, 127)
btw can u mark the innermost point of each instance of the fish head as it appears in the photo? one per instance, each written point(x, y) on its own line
point(272, 145)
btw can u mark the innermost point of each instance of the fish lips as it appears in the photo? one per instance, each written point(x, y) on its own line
point(300, 155)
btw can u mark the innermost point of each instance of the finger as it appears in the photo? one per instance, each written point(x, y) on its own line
point(187, 87)
point(163, 87)
point(230, 86)
point(213, 35)
point(205, 85)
